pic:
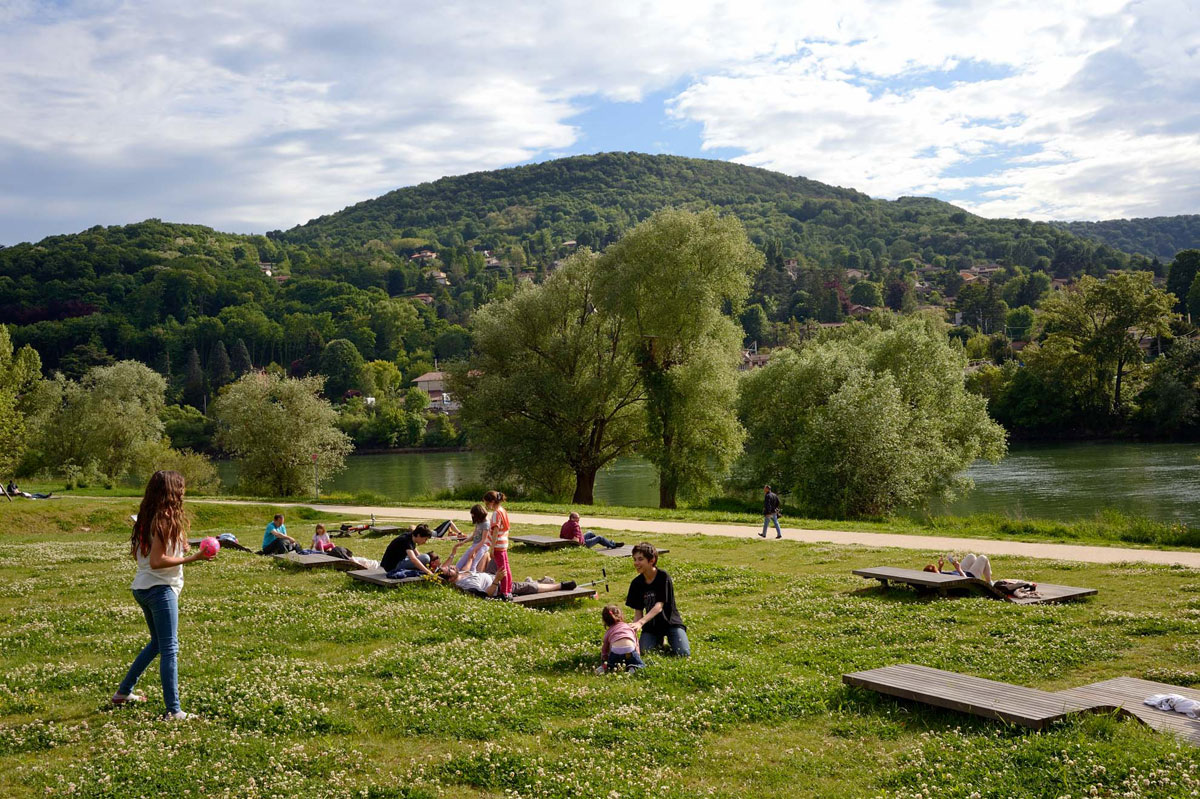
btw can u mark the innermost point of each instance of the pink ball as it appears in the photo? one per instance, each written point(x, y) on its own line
point(210, 547)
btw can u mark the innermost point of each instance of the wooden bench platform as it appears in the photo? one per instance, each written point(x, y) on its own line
point(554, 597)
point(621, 552)
point(316, 561)
point(944, 583)
point(542, 541)
point(1029, 707)
point(379, 577)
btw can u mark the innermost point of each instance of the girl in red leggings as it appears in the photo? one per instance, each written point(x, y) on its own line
point(498, 542)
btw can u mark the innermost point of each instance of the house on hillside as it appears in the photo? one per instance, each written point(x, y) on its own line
point(855, 275)
point(266, 267)
point(425, 298)
point(434, 384)
point(753, 360)
point(1059, 283)
point(440, 278)
point(968, 277)
point(423, 255)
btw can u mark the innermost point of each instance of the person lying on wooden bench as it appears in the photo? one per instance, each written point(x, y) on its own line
point(403, 554)
point(484, 584)
point(977, 566)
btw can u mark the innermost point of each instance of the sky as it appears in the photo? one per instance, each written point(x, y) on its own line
point(259, 116)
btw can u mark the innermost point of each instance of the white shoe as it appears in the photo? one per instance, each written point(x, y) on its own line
point(180, 715)
point(546, 581)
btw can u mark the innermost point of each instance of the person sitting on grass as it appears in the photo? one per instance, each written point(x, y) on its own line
point(652, 595)
point(620, 646)
point(484, 584)
point(403, 554)
point(321, 541)
point(571, 531)
point(276, 540)
point(977, 566)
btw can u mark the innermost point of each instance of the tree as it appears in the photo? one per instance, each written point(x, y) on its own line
point(552, 391)
point(1104, 322)
point(193, 381)
point(19, 372)
point(240, 360)
point(342, 365)
point(754, 322)
point(1180, 276)
point(866, 419)
point(1170, 402)
point(220, 370)
point(670, 279)
point(982, 307)
point(1019, 323)
point(273, 426)
point(102, 423)
point(864, 292)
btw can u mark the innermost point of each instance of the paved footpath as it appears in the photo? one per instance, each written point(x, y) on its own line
point(983, 546)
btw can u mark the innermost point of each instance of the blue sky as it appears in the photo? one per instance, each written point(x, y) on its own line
point(253, 117)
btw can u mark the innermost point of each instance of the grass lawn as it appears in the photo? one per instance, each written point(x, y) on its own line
point(1106, 528)
point(309, 684)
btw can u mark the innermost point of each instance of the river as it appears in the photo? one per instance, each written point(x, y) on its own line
point(1055, 481)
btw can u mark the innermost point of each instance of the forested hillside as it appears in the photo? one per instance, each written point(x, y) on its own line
point(399, 276)
point(1157, 237)
point(526, 213)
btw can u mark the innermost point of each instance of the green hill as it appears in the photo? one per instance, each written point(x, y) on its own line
point(1155, 237)
point(593, 199)
point(154, 291)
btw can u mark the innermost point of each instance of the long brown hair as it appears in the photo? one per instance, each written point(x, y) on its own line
point(161, 515)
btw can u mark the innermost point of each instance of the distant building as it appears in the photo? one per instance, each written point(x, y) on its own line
point(968, 277)
point(753, 360)
point(855, 274)
point(425, 298)
point(434, 384)
point(440, 278)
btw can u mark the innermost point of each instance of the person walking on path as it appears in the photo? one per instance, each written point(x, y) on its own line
point(158, 544)
point(652, 596)
point(770, 512)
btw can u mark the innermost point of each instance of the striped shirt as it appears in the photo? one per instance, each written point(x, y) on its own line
point(497, 537)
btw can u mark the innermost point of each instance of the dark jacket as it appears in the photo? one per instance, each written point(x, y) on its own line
point(770, 503)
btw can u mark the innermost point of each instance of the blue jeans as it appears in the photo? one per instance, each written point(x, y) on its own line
point(591, 539)
point(161, 607)
point(632, 661)
point(767, 520)
point(676, 637)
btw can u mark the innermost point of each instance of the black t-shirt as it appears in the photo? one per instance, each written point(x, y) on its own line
point(643, 597)
point(396, 553)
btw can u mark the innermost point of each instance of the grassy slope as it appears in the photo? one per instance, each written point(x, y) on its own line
point(311, 685)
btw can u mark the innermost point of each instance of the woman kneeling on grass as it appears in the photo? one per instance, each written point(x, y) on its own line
point(652, 595)
point(158, 545)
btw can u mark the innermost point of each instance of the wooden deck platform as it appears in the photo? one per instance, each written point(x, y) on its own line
point(1029, 707)
point(542, 541)
point(554, 597)
point(317, 562)
point(379, 577)
point(944, 583)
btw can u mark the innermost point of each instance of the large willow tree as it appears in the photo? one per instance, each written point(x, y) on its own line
point(552, 392)
point(867, 418)
point(674, 279)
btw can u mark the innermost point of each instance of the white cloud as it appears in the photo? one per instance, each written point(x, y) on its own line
point(256, 116)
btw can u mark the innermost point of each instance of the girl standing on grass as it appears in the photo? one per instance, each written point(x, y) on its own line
point(473, 559)
point(158, 544)
point(498, 542)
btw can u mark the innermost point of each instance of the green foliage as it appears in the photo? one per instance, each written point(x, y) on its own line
point(187, 428)
point(551, 392)
point(272, 426)
point(1169, 405)
point(99, 424)
point(1156, 237)
point(866, 419)
point(864, 292)
point(1181, 275)
point(19, 373)
point(670, 281)
point(342, 365)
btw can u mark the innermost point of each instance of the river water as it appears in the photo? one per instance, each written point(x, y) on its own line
point(1055, 481)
